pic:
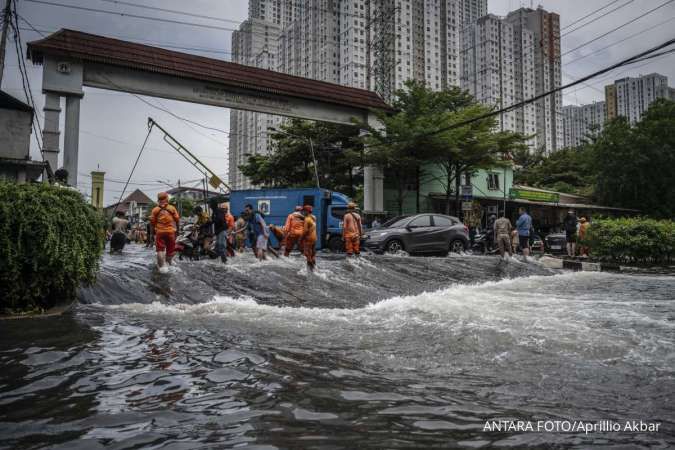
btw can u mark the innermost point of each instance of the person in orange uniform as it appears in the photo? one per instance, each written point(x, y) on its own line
point(352, 230)
point(583, 232)
point(294, 228)
point(164, 219)
point(309, 237)
point(229, 223)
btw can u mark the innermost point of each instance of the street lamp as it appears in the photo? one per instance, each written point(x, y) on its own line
point(311, 147)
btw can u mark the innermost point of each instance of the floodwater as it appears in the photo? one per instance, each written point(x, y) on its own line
point(382, 352)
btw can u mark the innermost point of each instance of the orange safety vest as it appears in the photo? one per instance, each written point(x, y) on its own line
point(229, 222)
point(295, 224)
point(309, 229)
point(164, 218)
point(351, 226)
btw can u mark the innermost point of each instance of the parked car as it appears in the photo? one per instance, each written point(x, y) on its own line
point(536, 243)
point(420, 233)
point(555, 243)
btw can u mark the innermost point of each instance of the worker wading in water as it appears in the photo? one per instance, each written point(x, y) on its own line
point(352, 229)
point(164, 219)
point(294, 228)
point(309, 237)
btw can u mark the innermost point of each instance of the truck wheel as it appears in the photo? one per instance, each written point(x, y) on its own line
point(336, 245)
point(394, 246)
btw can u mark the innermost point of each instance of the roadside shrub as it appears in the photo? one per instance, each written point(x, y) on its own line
point(634, 239)
point(50, 243)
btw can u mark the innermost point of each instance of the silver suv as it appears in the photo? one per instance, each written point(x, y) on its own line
point(421, 233)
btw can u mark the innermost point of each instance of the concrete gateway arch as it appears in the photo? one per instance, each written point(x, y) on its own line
point(73, 59)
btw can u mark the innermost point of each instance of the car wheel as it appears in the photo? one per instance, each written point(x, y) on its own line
point(394, 246)
point(335, 244)
point(457, 246)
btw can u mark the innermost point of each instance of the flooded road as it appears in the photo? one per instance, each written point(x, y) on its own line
point(383, 352)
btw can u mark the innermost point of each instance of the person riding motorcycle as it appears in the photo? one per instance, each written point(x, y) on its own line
point(203, 223)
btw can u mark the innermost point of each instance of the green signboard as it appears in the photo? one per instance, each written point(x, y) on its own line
point(534, 196)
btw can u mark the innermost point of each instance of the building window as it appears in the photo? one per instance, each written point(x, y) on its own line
point(493, 181)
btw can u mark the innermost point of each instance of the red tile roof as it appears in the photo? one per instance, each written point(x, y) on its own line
point(99, 49)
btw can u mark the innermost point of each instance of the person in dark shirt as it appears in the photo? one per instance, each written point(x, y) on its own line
point(570, 226)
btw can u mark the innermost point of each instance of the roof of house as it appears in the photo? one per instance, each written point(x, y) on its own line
point(137, 196)
point(9, 102)
point(99, 49)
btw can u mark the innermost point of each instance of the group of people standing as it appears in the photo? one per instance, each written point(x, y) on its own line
point(575, 231)
point(299, 231)
point(507, 238)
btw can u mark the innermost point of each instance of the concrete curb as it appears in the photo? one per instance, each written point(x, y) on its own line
point(587, 266)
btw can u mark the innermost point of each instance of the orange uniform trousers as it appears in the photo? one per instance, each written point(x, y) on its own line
point(352, 244)
point(309, 250)
point(291, 241)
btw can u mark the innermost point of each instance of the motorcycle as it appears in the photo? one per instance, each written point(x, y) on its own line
point(190, 245)
point(483, 245)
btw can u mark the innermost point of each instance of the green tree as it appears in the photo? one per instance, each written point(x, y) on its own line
point(466, 149)
point(290, 162)
point(50, 244)
point(635, 166)
point(398, 147)
point(407, 142)
point(410, 139)
point(566, 170)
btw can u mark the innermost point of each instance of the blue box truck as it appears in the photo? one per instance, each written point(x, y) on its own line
point(277, 204)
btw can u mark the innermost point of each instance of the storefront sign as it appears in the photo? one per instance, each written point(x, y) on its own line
point(467, 206)
point(534, 196)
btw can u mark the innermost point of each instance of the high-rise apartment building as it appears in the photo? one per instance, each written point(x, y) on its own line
point(631, 97)
point(545, 29)
point(508, 60)
point(369, 44)
point(498, 70)
point(582, 121)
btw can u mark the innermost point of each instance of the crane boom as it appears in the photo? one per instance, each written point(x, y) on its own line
point(214, 180)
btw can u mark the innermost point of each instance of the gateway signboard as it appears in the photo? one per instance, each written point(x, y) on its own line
point(534, 196)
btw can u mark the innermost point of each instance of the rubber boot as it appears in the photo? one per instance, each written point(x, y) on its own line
point(223, 259)
point(161, 259)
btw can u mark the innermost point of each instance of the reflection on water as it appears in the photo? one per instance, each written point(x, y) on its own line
point(385, 352)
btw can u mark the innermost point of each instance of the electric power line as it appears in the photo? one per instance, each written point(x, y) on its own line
point(171, 11)
point(651, 27)
point(617, 28)
point(588, 15)
point(25, 81)
point(639, 57)
point(597, 18)
point(133, 16)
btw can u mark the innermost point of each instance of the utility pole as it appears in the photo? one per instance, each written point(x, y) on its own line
point(6, 17)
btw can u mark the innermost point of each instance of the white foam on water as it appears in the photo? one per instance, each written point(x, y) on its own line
point(494, 299)
point(566, 314)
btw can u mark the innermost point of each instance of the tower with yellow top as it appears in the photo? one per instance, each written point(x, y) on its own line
point(97, 189)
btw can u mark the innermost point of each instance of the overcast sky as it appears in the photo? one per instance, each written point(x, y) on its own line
point(113, 125)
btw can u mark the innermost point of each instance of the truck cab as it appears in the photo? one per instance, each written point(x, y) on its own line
point(276, 204)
